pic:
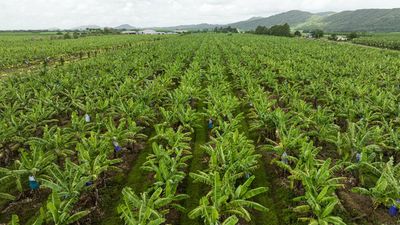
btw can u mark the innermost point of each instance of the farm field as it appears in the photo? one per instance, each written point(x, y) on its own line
point(199, 129)
point(26, 49)
point(389, 41)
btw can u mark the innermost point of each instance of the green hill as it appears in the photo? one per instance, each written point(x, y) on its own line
point(293, 18)
point(369, 20)
point(381, 20)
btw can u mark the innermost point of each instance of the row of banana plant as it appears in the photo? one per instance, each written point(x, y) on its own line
point(20, 51)
point(360, 132)
point(308, 101)
point(297, 153)
point(231, 156)
point(69, 159)
point(171, 150)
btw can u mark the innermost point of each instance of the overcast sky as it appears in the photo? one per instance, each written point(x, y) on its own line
point(43, 14)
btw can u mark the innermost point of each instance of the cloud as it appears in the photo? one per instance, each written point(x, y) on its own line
point(42, 14)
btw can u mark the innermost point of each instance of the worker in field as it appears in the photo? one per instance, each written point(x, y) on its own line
point(33, 184)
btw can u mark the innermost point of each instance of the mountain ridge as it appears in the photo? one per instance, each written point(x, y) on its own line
point(361, 20)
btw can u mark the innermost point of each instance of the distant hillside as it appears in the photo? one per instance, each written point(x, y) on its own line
point(86, 27)
point(124, 27)
point(369, 20)
point(293, 18)
point(201, 26)
point(382, 20)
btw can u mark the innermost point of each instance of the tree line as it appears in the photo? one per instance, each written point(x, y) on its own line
point(276, 30)
point(228, 29)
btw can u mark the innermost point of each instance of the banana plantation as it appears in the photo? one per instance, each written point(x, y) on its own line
point(197, 129)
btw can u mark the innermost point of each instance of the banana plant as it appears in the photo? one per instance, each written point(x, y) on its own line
point(38, 116)
point(320, 125)
point(67, 182)
point(319, 198)
point(224, 200)
point(168, 167)
point(136, 109)
point(14, 220)
point(61, 212)
point(127, 132)
point(78, 128)
point(358, 138)
point(55, 140)
point(188, 117)
point(288, 140)
point(171, 139)
point(146, 209)
point(33, 163)
point(368, 165)
point(232, 153)
point(306, 160)
point(387, 188)
point(93, 155)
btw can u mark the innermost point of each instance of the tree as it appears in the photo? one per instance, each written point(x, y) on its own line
point(333, 37)
point(352, 35)
point(261, 30)
point(317, 33)
point(75, 35)
point(297, 33)
point(67, 36)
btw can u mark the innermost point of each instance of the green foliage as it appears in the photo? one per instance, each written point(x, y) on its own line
point(389, 41)
point(387, 187)
point(276, 30)
point(317, 33)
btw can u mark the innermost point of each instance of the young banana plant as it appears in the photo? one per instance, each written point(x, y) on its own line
point(55, 140)
point(68, 182)
point(146, 209)
point(224, 200)
point(127, 132)
point(320, 198)
point(60, 212)
point(33, 163)
point(232, 153)
point(387, 188)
